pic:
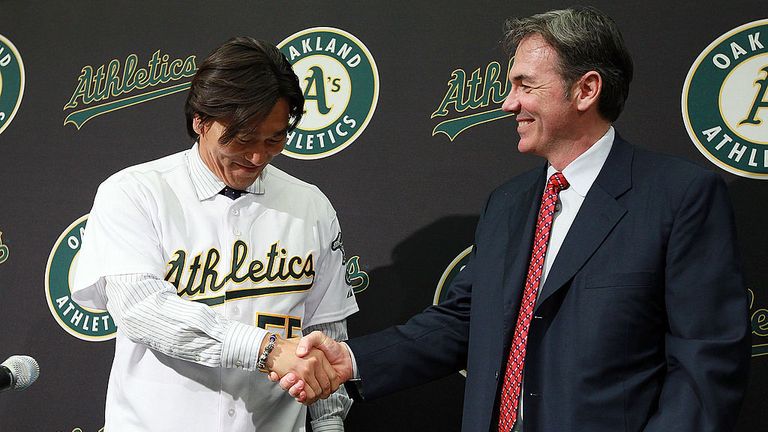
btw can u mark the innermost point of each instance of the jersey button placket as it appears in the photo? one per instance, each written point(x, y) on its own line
point(235, 212)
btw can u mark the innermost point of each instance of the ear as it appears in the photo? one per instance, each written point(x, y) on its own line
point(587, 91)
point(198, 125)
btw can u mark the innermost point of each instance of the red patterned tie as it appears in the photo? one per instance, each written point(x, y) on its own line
point(513, 377)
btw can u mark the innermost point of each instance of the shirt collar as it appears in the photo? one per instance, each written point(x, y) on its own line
point(583, 171)
point(207, 184)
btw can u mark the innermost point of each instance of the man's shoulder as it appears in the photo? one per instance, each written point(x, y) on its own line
point(649, 174)
point(295, 195)
point(650, 164)
point(521, 182)
point(518, 187)
point(148, 172)
point(287, 184)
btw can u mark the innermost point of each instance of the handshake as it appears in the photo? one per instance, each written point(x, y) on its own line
point(309, 368)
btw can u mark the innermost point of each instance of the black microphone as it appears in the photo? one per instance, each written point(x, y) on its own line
point(18, 373)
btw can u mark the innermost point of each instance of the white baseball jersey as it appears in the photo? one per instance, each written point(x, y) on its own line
point(271, 259)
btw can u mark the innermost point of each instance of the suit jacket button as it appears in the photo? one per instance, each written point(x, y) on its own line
point(496, 375)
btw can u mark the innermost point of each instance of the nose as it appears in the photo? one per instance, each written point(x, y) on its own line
point(511, 103)
point(257, 156)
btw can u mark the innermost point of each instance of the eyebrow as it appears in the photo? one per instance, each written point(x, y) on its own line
point(281, 132)
point(521, 77)
point(246, 136)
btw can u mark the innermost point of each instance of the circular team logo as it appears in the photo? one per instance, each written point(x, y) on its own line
point(341, 88)
point(456, 266)
point(725, 101)
point(83, 323)
point(4, 252)
point(11, 82)
point(453, 269)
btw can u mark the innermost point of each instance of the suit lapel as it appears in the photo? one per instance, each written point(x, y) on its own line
point(598, 214)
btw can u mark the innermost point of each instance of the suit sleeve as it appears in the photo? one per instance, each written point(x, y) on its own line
point(431, 345)
point(707, 344)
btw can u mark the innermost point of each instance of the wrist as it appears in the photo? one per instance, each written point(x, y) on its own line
point(349, 369)
point(265, 362)
point(332, 423)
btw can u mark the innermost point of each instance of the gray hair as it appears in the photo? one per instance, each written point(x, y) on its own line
point(585, 39)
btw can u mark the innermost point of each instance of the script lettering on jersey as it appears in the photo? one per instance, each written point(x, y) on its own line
point(201, 275)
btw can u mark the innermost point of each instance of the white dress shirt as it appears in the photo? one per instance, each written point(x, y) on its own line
point(580, 174)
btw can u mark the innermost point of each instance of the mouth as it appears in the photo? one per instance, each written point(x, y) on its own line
point(250, 168)
point(250, 171)
point(522, 122)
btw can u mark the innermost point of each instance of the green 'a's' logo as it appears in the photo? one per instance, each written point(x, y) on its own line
point(82, 323)
point(341, 88)
point(11, 82)
point(725, 101)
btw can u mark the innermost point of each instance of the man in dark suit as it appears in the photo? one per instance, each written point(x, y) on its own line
point(611, 302)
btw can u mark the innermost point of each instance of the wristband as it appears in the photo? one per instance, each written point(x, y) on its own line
point(261, 364)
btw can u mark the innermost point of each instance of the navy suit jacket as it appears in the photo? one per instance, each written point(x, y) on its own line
point(641, 324)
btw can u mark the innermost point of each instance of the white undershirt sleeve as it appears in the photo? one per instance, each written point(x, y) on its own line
point(328, 414)
point(149, 311)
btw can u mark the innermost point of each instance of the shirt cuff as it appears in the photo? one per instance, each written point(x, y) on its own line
point(241, 346)
point(331, 424)
point(355, 372)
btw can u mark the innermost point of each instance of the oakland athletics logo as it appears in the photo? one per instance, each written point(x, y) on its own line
point(3, 250)
point(341, 88)
point(11, 82)
point(725, 101)
point(469, 100)
point(111, 87)
point(758, 317)
point(453, 269)
point(83, 323)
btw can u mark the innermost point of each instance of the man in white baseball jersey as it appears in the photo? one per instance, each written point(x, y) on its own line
point(202, 256)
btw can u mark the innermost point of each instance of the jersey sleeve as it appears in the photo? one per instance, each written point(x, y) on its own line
point(331, 298)
point(120, 238)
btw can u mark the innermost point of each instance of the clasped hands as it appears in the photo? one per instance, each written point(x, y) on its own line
point(309, 368)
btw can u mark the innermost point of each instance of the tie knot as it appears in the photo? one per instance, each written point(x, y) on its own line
point(232, 193)
point(557, 182)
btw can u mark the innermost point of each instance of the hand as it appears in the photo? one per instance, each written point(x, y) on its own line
point(337, 354)
point(319, 379)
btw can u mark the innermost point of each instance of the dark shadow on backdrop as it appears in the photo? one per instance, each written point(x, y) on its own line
point(397, 292)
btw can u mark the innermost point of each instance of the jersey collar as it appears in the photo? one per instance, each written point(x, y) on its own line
point(207, 184)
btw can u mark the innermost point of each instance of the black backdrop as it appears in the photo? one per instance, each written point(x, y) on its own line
point(407, 198)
